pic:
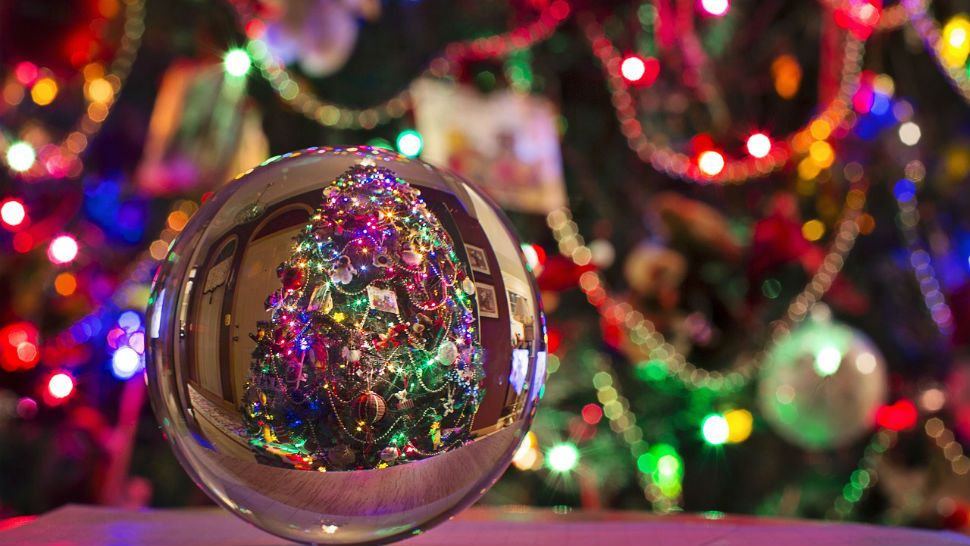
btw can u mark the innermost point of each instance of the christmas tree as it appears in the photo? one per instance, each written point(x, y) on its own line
point(371, 356)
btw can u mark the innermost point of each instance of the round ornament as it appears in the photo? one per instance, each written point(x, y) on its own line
point(822, 385)
point(346, 346)
point(370, 408)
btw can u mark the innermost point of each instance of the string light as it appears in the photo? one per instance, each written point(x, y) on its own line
point(716, 8)
point(21, 157)
point(643, 334)
point(740, 423)
point(758, 145)
point(563, 457)
point(663, 494)
point(126, 362)
point(883, 19)
point(710, 163)
point(329, 114)
point(237, 62)
point(632, 68)
point(909, 133)
point(12, 213)
point(60, 159)
point(949, 47)
point(65, 283)
point(955, 45)
point(60, 386)
point(951, 448)
point(639, 70)
point(920, 260)
point(681, 165)
point(864, 476)
point(44, 91)
point(63, 249)
point(715, 430)
point(410, 143)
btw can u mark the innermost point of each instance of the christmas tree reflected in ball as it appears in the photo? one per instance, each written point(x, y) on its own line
point(346, 346)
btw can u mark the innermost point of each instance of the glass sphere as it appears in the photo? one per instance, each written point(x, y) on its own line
point(822, 385)
point(345, 345)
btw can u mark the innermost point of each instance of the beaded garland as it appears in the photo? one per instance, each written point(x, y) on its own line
point(371, 357)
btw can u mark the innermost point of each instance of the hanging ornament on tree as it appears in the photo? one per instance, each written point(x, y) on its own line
point(822, 385)
point(319, 35)
point(367, 325)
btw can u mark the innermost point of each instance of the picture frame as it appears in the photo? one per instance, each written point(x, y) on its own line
point(478, 259)
point(487, 300)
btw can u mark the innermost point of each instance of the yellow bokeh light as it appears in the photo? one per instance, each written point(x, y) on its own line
point(884, 84)
point(808, 169)
point(821, 153)
point(528, 456)
point(44, 91)
point(99, 90)
point(955, 43)
point(65, 284)
point(813, 230)
point(740, 423)
point(820, 129)
point(956, 162)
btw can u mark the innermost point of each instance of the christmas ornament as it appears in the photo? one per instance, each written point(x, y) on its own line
point(318, 34)
point(355, 353)
point(822, 386)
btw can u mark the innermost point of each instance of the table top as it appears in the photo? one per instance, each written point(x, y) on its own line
point(509, 526)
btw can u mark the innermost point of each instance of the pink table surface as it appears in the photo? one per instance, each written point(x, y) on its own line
point(510, 526)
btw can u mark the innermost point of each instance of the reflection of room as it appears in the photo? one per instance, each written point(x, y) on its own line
point(222, 311)
point(514, 295)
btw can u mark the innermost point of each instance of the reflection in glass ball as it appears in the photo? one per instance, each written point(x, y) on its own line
point(346, 345)
point(822, 385)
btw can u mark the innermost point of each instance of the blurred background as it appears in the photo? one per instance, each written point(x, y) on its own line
point(750, 222)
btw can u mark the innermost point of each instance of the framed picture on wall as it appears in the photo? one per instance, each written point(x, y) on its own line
point(477, 259)
point(487, 300)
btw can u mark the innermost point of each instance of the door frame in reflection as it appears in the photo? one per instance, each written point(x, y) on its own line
point(238, 357)
point(213, 339)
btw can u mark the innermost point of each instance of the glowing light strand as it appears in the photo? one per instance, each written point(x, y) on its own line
point(680, 165)
point(643, 333)
point(299, 97)
point(929, 31)
point(921, 262)
point(623, 423)
point(864, 476)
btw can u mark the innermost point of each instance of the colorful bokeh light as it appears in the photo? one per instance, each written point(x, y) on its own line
point(410, 143)
point(62, 250)
point(12, 213)
point(237, 62)
point(563, 457)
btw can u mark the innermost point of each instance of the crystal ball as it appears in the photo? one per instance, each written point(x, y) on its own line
point(822, 385)
point(346, 345)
